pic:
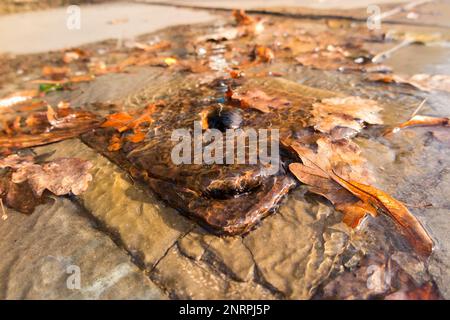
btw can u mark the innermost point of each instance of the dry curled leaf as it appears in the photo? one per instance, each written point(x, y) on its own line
point(46, 127)
point(15, 161)
point(409, 226)
point(117, 120)
point(336, 59)
point(136, 137)
point(418, 120)
point(320, 172)
point(61, 176)
point(115, 143)
point(55, 73)
point(263, 53)
point(247, 25)
point(259, 100)
point(123, 121)
point(242, 18)
point(16, 98)
point(349, 112)
point(73, 55)
point(424, 82)
point(19, 197)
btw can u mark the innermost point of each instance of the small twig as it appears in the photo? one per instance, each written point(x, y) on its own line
point(386, 54)
point(404, 8)
point(418, 108)
point(397, 128)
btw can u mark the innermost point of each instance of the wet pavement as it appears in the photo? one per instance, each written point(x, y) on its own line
point(120, 21)
point(121, 234)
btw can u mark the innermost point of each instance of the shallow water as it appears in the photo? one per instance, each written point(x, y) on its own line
point(302, 249)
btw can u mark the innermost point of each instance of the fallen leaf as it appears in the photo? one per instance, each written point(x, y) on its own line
point(136, 137)
point(74, 54)
point(18, 97)
point(320, 171)
point(65, 81)
point(19, 197)
point(424, 82)
point(32, 140)
point(246, 24)
point(264, 54)
point(242, 18)
point(15, 161)
point(56, 73)
point(431, 82)
point(117, 120)
point(259, 100)
point(123, 121)
point(115, 143)
point(159, 46)
point(419, 121)
point(330, 60)
point(409, 226)
point(46, 127)
point(349, 112)
point(60, 176)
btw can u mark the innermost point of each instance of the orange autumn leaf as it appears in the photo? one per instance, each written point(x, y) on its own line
point(17, 98)
point(242, 18)
point(136, 137)
point(236, 74)
point(123, 121)
point(420, 121)
point(265, 54)
point(142, 119)
point(355, 212)
point(247, 25)
point(352, 198)
point(319, 182)
point(425, 121)
point(22, 141)
point(259, 100)
point(117, 120)
point(409, 225)
point(55, 71)
point(115, 143)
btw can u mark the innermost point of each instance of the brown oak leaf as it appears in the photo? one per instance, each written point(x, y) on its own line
point(60, 176)
point(348, 112)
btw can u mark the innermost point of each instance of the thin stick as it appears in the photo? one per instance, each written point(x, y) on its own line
point(418, 108)
point(387, 53)
point(404, 8)
point(397, 128)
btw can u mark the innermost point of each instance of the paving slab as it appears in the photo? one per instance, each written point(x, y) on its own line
point(46, 30)
point(42, 253)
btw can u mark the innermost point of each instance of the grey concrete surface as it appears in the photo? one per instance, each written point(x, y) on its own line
point(46, 30)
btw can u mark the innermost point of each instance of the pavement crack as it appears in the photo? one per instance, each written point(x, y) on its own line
point(152, 269)
point(259, 278)
point(135, 257)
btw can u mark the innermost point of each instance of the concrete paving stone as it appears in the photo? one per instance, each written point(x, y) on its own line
point(42, 253)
